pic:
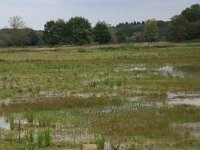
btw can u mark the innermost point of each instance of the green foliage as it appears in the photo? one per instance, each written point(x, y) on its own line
point(47, 137)
point(138, 37)
point(177, 30)
point(121, 38)
point(31, 137)
point(55, 32)
point(101, 33)
point(151, 30)
point(163, 25)
point(194, 30)
point(30, 116)
point(100, 143)
point(50, 35)
point(20, 37)
point(192, 14)
point(40, 139)
point(129, 28)
point(185, 26)
point(76, 31)
point(79, 31)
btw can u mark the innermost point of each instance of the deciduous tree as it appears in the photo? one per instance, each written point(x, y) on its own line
point(16, 22)
point(101, 33)
point(151, 30)
point(79, 31)
point(178, 29)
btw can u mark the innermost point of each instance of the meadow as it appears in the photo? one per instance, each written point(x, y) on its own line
point(142, 96)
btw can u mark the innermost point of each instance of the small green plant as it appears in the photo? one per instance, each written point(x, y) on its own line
point(40, 139)
point(48, 137)
point(31, 137)
point(30, 116)
point(119, 82)
point(100, 143)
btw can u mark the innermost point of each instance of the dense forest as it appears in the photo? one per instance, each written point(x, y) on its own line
point(79, 31)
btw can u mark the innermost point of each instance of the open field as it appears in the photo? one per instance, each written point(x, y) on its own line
point(141, 96)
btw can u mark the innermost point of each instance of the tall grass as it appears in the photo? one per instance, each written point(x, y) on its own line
point(40, 138)
point(101, 143)
point(29, 116)
point(47, 137)
point(31, 136)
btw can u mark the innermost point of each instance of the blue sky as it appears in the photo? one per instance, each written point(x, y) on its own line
point(35, 13)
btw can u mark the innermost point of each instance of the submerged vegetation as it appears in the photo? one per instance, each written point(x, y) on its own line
point(137, 96)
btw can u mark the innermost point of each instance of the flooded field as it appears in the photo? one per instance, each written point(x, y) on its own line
point(132, 97)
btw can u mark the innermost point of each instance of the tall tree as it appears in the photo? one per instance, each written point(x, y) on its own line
point(192, 14)
point(16, 22)
point(121, 38)
point(55, 32)
point(163, 25)
point(101, 33)
point(129, 28)
point(61, 31)
point(16, 25)
point(50, 35)
point(151, 30)
point(194, 30)
point(178, 29)
point(138, 37)
point(79, 31)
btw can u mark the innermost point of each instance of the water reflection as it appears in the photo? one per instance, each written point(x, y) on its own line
point(4, 124)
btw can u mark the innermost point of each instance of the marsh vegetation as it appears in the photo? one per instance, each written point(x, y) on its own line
point(140, 96)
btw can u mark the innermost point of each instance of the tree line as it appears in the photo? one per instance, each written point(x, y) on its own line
point(79, 31)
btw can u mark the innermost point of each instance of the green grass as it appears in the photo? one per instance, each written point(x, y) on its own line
point(93, 92)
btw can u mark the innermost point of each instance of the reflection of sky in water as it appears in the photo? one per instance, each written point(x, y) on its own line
point(4, 124)
point(170, 70)
point(184, 99)
point(164, 70)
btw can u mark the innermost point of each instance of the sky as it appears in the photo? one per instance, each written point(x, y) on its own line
point(35, 13)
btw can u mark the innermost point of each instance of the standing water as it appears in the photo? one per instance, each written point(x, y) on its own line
point(4, 124)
